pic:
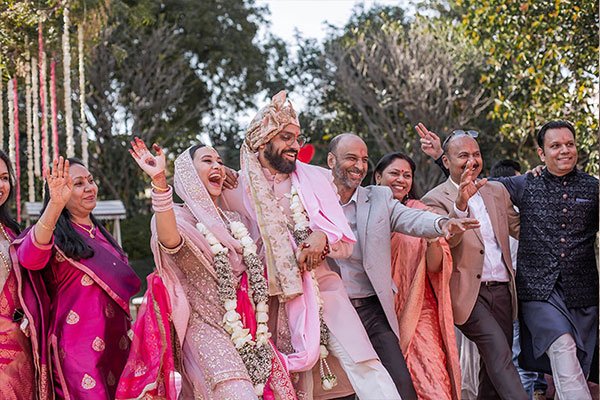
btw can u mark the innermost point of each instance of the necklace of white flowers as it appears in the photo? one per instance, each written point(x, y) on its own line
point(301, 232)
point(256, 354)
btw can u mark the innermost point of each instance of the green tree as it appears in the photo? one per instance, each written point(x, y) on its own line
point(542, 64)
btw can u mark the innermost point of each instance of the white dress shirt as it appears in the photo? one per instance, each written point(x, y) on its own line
point(494, 268)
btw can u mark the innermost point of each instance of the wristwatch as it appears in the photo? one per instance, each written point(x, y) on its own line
point(438, 225)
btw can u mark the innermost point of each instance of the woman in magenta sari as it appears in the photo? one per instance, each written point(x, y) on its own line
point(421, 270)
point(76, 286)
point(16, 359)
point(211, 285)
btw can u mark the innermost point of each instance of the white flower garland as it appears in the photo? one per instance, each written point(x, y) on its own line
point(36, 110)
point(240, 336)
point(82, 117)
point(11, 123)
point(66, 48)
point(301, 228)
point(29, 133)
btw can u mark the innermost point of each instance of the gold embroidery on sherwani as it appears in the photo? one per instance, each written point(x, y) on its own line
point(86, 280)
point(72, 318)
point(98, 344)
point(88, 382)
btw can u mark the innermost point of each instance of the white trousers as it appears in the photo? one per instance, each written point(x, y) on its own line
point(569, 381)
point(370, 380)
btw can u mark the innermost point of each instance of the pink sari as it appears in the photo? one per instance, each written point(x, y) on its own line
point(425, 317)
point(152, 368)
point(78, 313)
point(17, 374)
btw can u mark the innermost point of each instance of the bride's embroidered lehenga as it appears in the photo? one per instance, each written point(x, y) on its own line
point(183, 294)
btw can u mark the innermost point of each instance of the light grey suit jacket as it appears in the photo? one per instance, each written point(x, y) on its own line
point(377, 216)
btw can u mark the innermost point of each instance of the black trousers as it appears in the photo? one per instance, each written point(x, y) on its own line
point(490, 327)
point(386, 344)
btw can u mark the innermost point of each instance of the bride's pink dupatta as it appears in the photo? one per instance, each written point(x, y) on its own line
point(150, 370)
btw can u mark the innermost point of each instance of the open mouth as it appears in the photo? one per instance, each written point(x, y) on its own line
point(290, 155)
point(399, 188)
point(215, 179)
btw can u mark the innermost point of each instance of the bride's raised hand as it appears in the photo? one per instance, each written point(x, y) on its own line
point(60, 183)
point(153, 165)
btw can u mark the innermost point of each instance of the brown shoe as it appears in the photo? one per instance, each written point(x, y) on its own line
point(539, 395)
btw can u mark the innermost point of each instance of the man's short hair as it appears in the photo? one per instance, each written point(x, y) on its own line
point(505, 168)
point(553, 125)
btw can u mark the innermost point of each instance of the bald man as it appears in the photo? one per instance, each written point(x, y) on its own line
point(482, 286)
point(367, 273)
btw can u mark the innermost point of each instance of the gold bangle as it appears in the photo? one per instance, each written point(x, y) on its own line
point(159, 189)
point(46, 227)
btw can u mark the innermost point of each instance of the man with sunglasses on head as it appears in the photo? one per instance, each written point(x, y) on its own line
point(482, 286)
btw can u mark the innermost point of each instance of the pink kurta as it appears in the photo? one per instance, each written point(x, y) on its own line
point(425, 317)
point(16, 358)
point(87, 334)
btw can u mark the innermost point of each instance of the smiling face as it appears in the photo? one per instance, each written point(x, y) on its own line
point(280, 154)
point(398, 176)
point(460, 150)
point(85, 191)
point(4, 182)
point(350, 162)
point(559, 152)
point(210, 169)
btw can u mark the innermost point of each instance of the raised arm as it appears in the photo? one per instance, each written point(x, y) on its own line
point(432, 146)
point(162, 194)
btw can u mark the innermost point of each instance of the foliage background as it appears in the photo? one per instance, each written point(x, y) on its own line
point(182, 71)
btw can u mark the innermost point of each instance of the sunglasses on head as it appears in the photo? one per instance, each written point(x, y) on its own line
point(459, 132)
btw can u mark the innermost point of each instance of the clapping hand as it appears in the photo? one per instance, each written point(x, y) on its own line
point(60, 183)
point(430, 142)
point(153, 165)
point(468, 187)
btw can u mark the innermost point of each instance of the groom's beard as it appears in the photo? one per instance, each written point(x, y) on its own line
point(278, 162)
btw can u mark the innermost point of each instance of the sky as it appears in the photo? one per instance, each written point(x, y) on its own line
point(309, 16)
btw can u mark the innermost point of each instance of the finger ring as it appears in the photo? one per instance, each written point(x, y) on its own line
point(305, 245)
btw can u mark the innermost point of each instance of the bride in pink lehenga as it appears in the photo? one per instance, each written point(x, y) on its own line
point(207, 287)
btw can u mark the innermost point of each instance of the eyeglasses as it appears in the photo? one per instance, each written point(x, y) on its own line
point(459, 132)
point(289, 138)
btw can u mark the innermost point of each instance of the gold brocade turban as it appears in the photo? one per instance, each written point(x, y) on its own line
point(270, 120)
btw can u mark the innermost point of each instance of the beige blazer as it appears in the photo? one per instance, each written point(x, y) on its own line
point(377, 216)
point(468, 249)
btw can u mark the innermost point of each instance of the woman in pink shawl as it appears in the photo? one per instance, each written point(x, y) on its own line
point(16, 359)
point(421, 270)
point(211, 285)
point(76, 284)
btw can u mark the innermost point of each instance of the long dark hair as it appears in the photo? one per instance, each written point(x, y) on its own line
point(5, 218)
point(385, 162)
point(67, 238)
